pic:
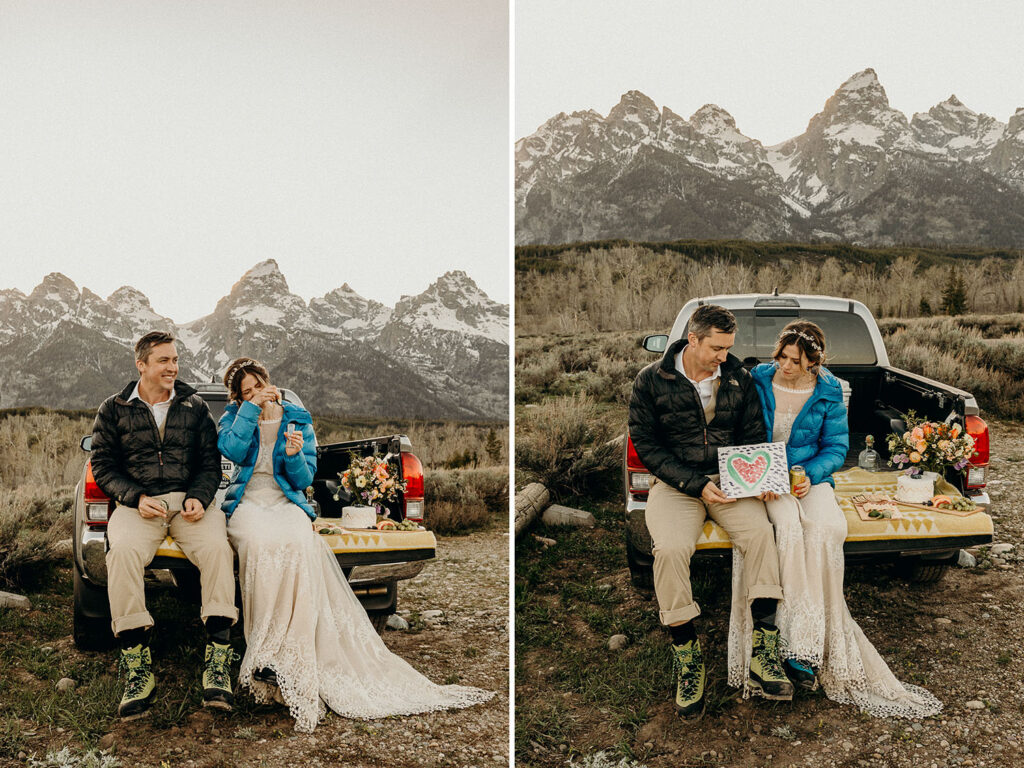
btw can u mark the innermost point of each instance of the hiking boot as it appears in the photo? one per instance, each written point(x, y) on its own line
point(217, 676)
point(766, 672)
point(801, 673)
point(688, 666)
point(136, 664)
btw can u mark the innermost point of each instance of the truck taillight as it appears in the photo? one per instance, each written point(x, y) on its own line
point(637, 476)
point(977, 469)
point(98, 505)
point(412, 472)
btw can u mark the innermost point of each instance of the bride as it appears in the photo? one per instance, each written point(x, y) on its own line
point(309, 643)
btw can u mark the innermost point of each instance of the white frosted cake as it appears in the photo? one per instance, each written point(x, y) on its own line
point(914, 490)
point(359, 517)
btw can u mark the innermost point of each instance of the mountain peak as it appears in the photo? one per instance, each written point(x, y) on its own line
point(266, 268)
point(56, 286)
point(865, 79)
point(635, 106)
point(711, 118)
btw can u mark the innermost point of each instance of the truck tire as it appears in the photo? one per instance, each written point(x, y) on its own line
point(379, 619)
point(641, 575)
point(91, 620)
point(924, 571)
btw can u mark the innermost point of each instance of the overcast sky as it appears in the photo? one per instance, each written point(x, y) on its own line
point(770, 64)
point(172, 145)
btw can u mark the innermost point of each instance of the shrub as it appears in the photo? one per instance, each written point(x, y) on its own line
point(462, 500)
point(33, 519)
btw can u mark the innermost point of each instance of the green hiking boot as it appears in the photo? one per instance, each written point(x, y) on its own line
point(688, 666)
point(136, 664)
point(766, 673)
point(217, 676)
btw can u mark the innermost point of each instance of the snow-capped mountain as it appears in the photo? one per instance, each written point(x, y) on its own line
point(442, 354)
point(861, 171)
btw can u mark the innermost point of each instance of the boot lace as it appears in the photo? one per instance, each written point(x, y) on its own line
point(686, 663)
point(218, 665)
point(135, 674)
point(766, 648)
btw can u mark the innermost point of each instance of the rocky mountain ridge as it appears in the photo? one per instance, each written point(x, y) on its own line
point(441, 354)
point(861, 172)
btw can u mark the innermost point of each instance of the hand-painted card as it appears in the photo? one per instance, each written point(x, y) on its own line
point(747, 470)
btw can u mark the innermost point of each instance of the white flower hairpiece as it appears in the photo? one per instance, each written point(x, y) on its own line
point(236, 369)
point(805, 336)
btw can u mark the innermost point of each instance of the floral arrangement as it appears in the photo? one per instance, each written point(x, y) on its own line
point(371, 480)
point(930, 445)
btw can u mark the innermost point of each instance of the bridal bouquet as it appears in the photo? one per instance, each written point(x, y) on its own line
point(930, 445)
point(372, 480)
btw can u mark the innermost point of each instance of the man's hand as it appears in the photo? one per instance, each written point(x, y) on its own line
point(802, 488)
point(293, 442)
point(150, 507)
point(192, 510)
point(712, 495)
point(768, 496)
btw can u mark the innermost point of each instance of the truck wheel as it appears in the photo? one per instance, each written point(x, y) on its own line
point(924, 571)
point(640, 574)
point(379, 619)
point(91, 621)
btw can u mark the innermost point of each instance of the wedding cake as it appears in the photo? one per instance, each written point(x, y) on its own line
point(359, 517)
point(914, 490)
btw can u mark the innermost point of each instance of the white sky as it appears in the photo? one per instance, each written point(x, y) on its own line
point(172, 145)
point(770, 64)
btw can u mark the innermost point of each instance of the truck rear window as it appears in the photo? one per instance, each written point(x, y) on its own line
point(848, 341)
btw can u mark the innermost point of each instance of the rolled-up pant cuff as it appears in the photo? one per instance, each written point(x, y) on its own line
point(764, 590)
point(680, 615)
point(131, 621)
point(219, 609)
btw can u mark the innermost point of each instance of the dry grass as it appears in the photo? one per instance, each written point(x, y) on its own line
point(462, 500)
point(33, 519)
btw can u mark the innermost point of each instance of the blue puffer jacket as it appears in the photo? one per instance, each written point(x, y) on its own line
point(820, 437)
point(238, 439)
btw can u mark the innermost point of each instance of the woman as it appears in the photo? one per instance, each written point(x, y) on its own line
point(803, 407)
point(309, 643)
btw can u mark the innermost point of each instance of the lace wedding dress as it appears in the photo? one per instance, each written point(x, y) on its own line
point(813, 619)
point(303, 621)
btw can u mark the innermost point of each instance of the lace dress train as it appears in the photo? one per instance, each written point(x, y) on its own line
point(813, 618)
point(302, 620)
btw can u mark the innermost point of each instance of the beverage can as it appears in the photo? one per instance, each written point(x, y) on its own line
point(796, 476)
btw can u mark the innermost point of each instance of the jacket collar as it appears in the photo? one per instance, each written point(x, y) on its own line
point(827, 387)
point(667, 369)
point(181, 390)
point(292, 412)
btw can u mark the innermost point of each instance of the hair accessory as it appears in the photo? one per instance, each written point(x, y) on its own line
point(237, 368)
point(805, 336)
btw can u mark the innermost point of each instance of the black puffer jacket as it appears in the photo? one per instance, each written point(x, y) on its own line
point(129, 458)
point(666, 421)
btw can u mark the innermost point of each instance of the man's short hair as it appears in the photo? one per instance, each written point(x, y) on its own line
point(152, 339)
point(711, 317)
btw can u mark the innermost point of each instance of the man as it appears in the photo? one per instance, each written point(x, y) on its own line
point(154, 451)
point(697, 399)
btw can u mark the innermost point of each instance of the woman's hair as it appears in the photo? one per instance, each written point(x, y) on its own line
point(237, 371)
point(809, 339)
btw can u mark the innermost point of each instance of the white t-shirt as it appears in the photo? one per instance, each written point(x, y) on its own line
point(705, 387)
point(159, 410)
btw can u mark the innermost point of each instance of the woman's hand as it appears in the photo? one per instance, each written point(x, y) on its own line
point(802, 488)
point(768, 496)
point(269, 394)
point(293, 442)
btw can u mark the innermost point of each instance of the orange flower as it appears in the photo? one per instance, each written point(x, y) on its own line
point(915, 457)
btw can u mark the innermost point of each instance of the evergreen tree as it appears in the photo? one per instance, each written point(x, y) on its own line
point(954, 295)
point(493, 446)
point(925, 309)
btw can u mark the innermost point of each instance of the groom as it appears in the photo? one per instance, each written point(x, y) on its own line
point(154, 451)
point(697, 399)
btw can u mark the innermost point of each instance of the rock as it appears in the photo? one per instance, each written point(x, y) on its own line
point(397, 622)
point(974, 704)
point(431, 615)
point(848, 745)
point(63, 548)
point(106, 742)
point(1000, 549)
point(65, 684)
point(617, 642)
point(545, 541)
point(11, 600)
point(967, 560)
point(559, 515)
point(943, 622)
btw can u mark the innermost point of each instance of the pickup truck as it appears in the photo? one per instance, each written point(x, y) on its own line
point(374, 561)
point(876, 396)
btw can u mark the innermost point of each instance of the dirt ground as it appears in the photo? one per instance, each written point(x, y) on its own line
point(960, 638)
point(468, 581)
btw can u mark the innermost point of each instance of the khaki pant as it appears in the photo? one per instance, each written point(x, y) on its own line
point(675, 520)
point(133, 541)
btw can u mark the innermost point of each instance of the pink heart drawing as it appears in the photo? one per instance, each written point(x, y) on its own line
point(749, 470)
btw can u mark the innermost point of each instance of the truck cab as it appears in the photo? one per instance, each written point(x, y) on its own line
point(876, 396)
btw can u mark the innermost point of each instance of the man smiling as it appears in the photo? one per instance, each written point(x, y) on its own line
point(154, 451)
